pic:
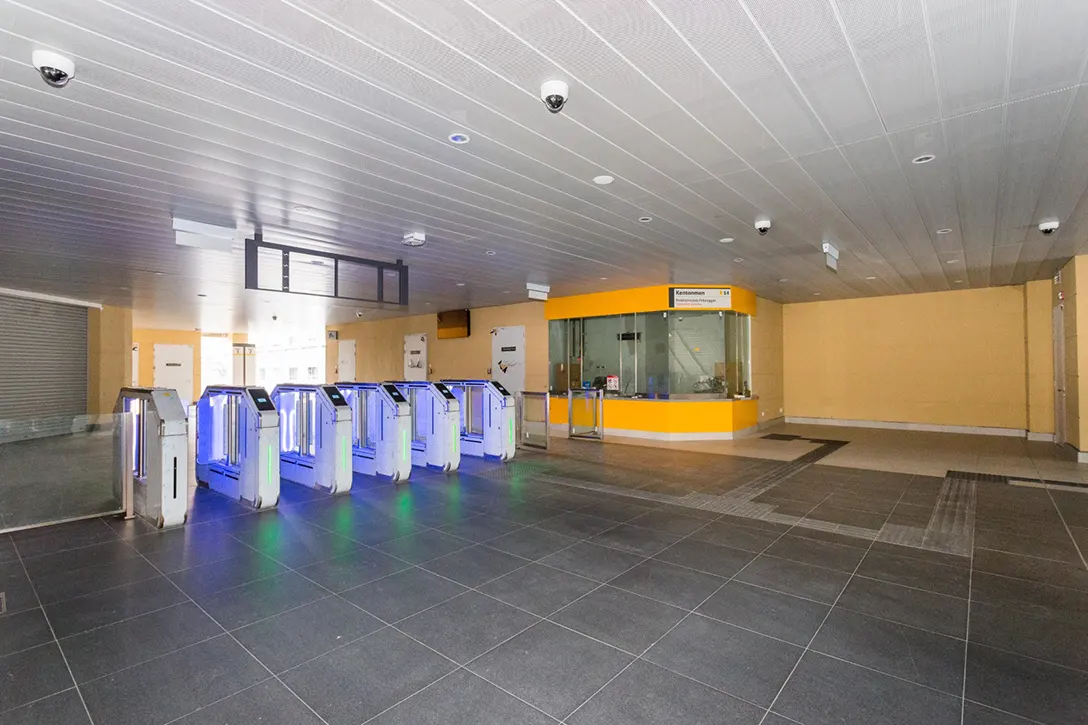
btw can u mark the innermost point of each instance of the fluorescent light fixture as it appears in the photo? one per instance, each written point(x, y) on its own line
point(204, 236)
point(831, 256)
point(537, 291)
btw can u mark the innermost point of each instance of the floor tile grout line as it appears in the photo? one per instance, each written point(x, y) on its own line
point(219, 700)
point(242, 646)
point(967, 637)
point(37, 700)
point(1065, 523)
point(821, 626)
point(681, 621)
point(53, 632)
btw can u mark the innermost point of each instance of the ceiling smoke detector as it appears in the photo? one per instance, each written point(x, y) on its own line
point(645, 219)
point(923, 159)
point(459, 138)
point(414, 239)
point(603, 180)
point(726, 240)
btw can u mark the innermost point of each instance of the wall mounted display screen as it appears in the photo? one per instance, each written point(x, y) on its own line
point(453, 324)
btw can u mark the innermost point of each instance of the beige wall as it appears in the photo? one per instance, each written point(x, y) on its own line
point(147, 340)
point(947, 358)
point(379, 346)
point(767, 360)
point(109, 356)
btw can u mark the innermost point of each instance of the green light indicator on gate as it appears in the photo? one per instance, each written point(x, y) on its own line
point(404, 444)
point(344, 452)
point(270, 465)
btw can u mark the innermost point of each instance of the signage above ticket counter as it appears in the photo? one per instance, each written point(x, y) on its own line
point(700, 298)
point(660, 298)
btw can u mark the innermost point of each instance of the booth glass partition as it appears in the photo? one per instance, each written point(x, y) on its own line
point(670, 354)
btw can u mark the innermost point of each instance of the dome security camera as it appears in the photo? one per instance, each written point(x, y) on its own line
point(55, 69)
point(762, 225)
point(555, 94)
point(1048, 228)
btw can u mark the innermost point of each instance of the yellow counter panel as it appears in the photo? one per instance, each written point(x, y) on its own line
point(678, 420)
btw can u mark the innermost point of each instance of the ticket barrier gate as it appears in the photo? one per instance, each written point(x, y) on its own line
point(238, 443)
point(436, 424)
point(315, 436)
point(381, 429)
point(487, 418)
point(152, 449)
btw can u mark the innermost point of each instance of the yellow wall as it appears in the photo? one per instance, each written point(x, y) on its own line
point(767, 360)
point(147, 339)
point(1039, 348)
point(109, 356)
point(946, 358)
point(379, 346)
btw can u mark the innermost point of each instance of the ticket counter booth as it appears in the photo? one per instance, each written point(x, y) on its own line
point(666, 363)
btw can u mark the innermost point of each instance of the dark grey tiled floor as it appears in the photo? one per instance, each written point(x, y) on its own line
point(502, 595)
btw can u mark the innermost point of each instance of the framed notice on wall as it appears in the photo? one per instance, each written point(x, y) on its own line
point(700, 298)
point(508, 357)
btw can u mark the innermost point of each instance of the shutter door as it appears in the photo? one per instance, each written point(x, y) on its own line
point(43, 359)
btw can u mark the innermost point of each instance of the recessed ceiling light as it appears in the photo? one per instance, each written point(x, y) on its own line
point(923, 159)
point(957, 281)
point(303, 209)
point(159, 273)
point(460, 284)
point(783, 280)
point(490, 252)
point(603, 180)
point(952, 261)
point(738, 260)
point(944, 231)
point(815, 294)
point(645, 219)
point(726, 240)
point(506, 291)
point(870, 278)
point(603, 278)
point(459, 138)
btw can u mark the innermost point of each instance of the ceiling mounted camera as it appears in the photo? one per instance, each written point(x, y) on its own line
point(55, 69)
point(555, 94)
point(763, 225)
point(1049, 228)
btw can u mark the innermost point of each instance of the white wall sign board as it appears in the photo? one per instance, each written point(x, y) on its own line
point(345, 361)
point(415, 357)
point(700, 298)
point(508, 357)
point(174, 369)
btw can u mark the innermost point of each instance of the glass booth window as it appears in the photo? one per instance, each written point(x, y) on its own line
point(653, 355)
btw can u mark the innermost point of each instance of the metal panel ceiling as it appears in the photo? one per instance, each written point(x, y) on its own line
point(707, 112)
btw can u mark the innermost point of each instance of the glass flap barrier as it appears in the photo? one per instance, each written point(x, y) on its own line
point(533, 414)
point(585, 414)
point(60, 468)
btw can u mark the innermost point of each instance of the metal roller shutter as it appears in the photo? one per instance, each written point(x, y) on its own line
point(43, 359)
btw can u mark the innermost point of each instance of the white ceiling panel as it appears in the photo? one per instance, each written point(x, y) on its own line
point(1048, 51)
point(890, 42)
point(708, 113)
point(810, 43)
point(970, 41)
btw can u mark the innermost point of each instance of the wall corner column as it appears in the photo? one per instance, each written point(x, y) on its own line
point(109, 357)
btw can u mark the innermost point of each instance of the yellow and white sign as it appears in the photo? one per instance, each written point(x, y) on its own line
point(700, 298)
